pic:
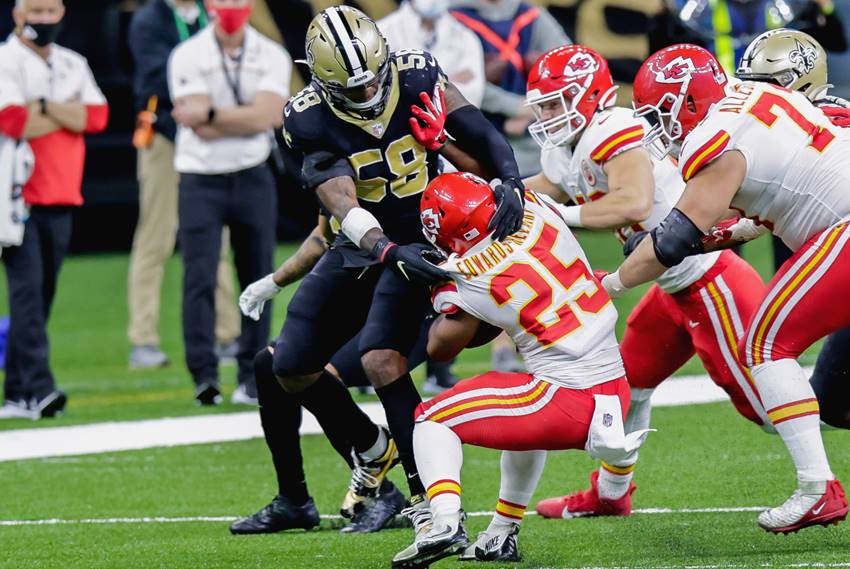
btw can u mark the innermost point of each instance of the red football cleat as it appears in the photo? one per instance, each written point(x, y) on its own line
point(803, 509)
point(586, 503)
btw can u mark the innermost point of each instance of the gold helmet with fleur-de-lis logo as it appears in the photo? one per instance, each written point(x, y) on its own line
point(349, 60)
point(790, 58)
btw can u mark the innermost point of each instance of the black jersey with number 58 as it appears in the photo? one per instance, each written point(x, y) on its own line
point(389, 167)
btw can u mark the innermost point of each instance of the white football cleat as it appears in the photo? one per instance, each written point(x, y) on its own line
point(813, 503)
point(445, 537)
point(494, 546)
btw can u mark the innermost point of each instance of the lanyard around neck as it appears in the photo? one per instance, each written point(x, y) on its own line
point(233, 82)
point(182, 28)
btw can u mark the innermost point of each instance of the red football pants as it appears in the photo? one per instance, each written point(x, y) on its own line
point(707, 318)
point(806, 300)
point(516, 411)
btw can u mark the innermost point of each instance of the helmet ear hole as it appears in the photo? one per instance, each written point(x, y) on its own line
point(692, 106)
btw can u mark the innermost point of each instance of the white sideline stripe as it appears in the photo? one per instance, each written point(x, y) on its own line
point(96, 438)
point(217, 519)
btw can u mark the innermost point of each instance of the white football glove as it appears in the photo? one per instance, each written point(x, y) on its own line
point(255, 296)
point(742, 230)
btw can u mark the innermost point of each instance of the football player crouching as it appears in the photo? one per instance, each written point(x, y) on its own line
point(538, 287)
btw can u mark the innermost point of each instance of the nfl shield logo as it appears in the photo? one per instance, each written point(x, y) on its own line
point(607, 419)
point(378, 129)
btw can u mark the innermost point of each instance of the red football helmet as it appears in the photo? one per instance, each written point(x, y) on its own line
point(455, 210)
point(576, 77)
point(674, 89)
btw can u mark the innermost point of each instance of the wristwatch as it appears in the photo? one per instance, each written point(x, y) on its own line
point(43, 104)
point(211, 115)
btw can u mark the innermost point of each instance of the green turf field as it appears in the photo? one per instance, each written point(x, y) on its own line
point(702, 457)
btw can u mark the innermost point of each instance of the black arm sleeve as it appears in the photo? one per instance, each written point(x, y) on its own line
point(150, 45)
point(477, 136)
point(675, 238)
point(321, 165)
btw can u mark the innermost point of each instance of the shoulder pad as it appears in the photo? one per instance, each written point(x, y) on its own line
point(614, 132)
point(700, 148)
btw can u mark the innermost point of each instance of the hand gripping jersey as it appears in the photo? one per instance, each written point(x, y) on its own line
point(579, 173)
point(798, 180)
point(389, 168)
point(537, 285)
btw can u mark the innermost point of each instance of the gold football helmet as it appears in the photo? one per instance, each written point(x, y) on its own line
point(789, 58)
point(349, 60)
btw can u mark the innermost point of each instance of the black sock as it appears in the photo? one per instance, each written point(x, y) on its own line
point(400, 399)
point(344, 423)
point(280, 416)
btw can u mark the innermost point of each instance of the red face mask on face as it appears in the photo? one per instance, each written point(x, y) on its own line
point(231, 19)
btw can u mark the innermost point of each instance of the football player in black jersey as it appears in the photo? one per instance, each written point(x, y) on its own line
point(352, 125)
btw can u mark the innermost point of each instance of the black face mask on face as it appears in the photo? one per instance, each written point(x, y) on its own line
point(42, 35)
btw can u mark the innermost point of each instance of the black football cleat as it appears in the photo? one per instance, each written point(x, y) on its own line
point(281, 514)
point(374, 514)
point(208, 394)
point(494, 546)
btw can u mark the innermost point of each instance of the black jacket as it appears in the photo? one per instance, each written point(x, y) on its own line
point(153, 34)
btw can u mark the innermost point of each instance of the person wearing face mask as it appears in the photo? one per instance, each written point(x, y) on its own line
point(49, 98)
point(229, 85)
point(428, 25)
point(155, 30)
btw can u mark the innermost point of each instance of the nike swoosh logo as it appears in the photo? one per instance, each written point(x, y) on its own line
point(693, 324)
point(436, 536)
point(818, 510)
point(400, 265)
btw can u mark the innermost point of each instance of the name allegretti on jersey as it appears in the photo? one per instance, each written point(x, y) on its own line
point(788, 188)
point(537, 285)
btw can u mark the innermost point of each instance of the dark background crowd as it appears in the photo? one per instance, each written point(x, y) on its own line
point(625, 31)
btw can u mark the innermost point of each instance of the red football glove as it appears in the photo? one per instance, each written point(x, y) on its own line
point(600, 274)
point(838, 115)
point(433, 135)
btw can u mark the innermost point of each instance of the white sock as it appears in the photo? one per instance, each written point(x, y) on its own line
point(521, 472)
point(793, 409)
point(614, 479)
point(378, 449)
point(439, 457)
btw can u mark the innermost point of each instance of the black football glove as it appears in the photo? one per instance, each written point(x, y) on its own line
point(409, 262)
point(633, 241)
point(510, 201)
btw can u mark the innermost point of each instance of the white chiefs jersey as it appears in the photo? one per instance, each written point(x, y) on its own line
point(798, 180)
point(579, 173)
point(537, 285)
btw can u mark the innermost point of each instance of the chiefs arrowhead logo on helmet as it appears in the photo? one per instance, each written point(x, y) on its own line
point(580, 63)
point(675, 71)
point(430, 221)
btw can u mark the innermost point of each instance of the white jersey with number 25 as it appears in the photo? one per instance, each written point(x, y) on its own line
point(538, 286)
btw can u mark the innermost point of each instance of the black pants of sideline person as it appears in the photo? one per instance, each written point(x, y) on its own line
point(32, 270)
point(245, 201)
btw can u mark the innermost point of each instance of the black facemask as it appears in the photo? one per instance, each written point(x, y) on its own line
point(42, 35)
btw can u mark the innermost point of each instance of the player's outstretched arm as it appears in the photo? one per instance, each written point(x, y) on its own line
point(704, 202)
point(254, 297)
point(629, 199)
point(339, 196)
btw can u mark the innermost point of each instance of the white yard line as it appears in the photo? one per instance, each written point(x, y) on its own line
point(172, 431)
point(221, 519)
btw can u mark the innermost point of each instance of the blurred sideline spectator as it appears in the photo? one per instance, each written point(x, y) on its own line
point(154, 31)
point(229, 85)
point(427, 25)
point(513, 34)
point(48, 96)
